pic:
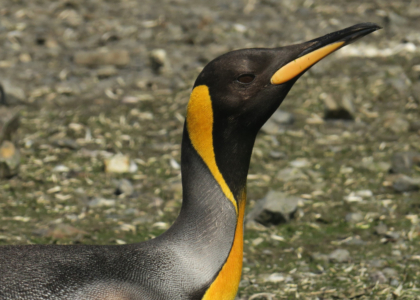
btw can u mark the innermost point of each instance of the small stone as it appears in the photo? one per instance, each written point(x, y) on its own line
point(339, 255)
point(142, 220)
point(159, 60)
point(282, 117)
point(277, 154)
point(66, 143)
point(354, 217)
point(257, 241)
point(117, 58)
point(394, 282)
point(377, 263)
point(131, 211)
point(403, 162)
point(271, 127)
point(392, 235)
point(124, 187)
point(275, 208)
point(252, 225)
point(61, 169)
point(9, 159)
point(397, 125)
point(9, 122)
point(244, 283)
point(356, 241)
point(378, 277)
point(14, 95)
point(415, 126)
point(106, 71)
point(390, 273)
point(364, 193)
point(320, 257)
point(119, 163)
point(405, 183)
point(101, 202)
point(381, 229)
point(59, 231)
point(276, 124)
point(300, 163)
point(275, 277)
point(291, 174)
point(333, 111)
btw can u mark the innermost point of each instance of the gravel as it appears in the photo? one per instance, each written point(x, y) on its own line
point(99, 81)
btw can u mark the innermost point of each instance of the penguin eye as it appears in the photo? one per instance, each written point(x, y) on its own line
point(246, 78)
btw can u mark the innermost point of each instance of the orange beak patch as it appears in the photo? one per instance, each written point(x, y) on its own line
point(297, 66)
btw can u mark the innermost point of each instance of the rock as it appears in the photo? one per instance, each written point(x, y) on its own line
point(339, 255)
point(160, 62)
point(3, 100)
point(320, 257)
point(415, 89)
point(124, 187)
point(275, 208)
point(9, 159)
point(61, 169)
point(282, 117)
point(275, 277)
point(405, 183)
point(390, 273)
point(119, 163)
point(106, 71)
point(277, 154)
point(117, 58)
point(9, 123)
point(244, 283)
point(394, 282)
point(396, 124)
point(271, 127)
point(333, 111)
point(14, 95)
point(276, 124)
point(378, 277)
point(66, 143)
point(300, 163)
point(252, 225)
point(415, 126)
point(356, 241)
point(377, 263)
point(291, 174)
point(392, 235)
point(59, 231)
point(403, 162)
point(101, 202)
point(381, 229)
point(354, 217)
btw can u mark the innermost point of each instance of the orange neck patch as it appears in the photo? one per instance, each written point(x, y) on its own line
point(200, 131)
point(226, 284)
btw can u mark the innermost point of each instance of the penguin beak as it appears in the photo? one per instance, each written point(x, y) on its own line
point(317, 49)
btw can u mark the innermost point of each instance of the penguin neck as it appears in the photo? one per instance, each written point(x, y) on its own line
point(222, 145)
point(229, 170)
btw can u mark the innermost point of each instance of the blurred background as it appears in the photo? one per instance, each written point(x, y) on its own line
point(95, 97)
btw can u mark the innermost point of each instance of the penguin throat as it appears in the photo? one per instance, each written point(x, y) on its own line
point(200, 130)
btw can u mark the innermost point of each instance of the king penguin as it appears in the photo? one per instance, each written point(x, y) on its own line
point(200, 255)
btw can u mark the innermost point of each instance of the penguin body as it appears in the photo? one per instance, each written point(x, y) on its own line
point(200, 256)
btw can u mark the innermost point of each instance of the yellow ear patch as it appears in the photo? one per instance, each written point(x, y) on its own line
point(200, 131)
point(226, 284)
point(297, 66)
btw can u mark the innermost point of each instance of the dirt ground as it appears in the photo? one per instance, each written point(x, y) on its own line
point(97, 78)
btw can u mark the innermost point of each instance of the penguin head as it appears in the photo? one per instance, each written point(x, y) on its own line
point(247, 86)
